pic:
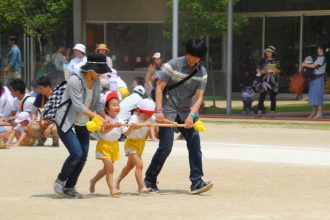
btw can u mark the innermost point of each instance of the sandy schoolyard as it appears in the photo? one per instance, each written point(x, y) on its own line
point(259, 172)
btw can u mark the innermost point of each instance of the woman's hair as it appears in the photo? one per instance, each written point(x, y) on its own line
point(324, 48)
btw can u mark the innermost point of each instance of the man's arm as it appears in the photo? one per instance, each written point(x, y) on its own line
point(159, 100)
point(189, 122)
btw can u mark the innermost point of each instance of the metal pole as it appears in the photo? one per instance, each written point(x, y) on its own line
point(229, 54)
point(77, 35)
point(263, 36)
point(301, 39)
point(175, 29)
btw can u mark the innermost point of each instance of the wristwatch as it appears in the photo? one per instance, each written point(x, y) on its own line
point(193, 115)
point(159, 111)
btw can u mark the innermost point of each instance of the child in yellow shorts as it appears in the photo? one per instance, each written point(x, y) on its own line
point(136, 137)
point(107, 148)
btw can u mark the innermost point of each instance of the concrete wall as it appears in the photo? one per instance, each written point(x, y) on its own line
point(124, 10)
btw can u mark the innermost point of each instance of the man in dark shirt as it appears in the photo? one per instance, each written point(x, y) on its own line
point(39, 128)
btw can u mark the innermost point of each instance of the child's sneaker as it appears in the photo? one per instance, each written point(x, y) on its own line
point(201, 187)
point(59, 186)
point(152, 186)
point(72, 192)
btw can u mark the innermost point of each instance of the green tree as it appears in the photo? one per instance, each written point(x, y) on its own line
point(37, 18)
point(200, 18)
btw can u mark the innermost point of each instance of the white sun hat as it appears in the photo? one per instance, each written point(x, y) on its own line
point(80, 47)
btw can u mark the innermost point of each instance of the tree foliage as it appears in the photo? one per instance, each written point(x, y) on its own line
point(200, 18)
point(35, 17)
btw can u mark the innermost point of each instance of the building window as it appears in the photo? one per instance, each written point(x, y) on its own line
point(133, 44)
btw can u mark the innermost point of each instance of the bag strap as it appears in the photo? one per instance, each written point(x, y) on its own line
point(182, 81)
point(26, 97)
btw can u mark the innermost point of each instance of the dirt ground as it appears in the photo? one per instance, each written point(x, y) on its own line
point(259, 172)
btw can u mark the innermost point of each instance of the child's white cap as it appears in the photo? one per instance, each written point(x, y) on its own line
point(147, 106)
point(157, 55)
point(22, 116)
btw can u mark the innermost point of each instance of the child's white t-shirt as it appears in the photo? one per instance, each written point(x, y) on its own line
point(115, 133)
point(141, 132)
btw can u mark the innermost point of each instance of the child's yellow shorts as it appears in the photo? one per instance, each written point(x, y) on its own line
point(107, 150)
point(134, 146)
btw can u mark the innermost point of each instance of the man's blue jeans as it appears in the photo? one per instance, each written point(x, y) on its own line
point(77, 143)
point(166, 136)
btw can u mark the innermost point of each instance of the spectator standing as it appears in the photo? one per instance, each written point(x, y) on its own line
point(268, 76)
point(316, 84)
point(152, 74)
point(103, 49)
point(79, 59)
point(13, 68)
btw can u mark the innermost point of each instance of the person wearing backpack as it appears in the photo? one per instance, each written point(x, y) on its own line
point(23, 101)
point(316, 83)
point(80, 102)
point(180, 80)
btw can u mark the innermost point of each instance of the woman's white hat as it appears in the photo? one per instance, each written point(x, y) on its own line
point(80, 47)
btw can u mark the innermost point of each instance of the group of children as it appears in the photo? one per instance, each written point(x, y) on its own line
point(107, 148)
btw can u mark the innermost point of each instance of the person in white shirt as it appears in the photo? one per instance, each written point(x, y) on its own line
point(128, 104)
point(107, 148)
point(22, 102)
point(135, 142)
point(6, 103)
point(79, 60)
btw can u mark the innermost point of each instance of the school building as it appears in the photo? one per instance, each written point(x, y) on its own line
point(134, 31)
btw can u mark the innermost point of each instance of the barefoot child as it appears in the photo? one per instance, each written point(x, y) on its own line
point(107, 148)
point(136, 137)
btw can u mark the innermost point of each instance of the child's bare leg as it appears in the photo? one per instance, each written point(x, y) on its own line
point(96, 178)
point(137, 161)
point(153, 132)
point(129, 166)
point(109, 176)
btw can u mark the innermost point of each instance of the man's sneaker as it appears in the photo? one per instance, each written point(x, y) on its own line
point(41, 141)
point(201, 187)
point(152, 186)
point(55, 142)
point(72, 193)
point(59, 186)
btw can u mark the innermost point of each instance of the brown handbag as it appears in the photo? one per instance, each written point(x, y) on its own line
point(297, 83)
